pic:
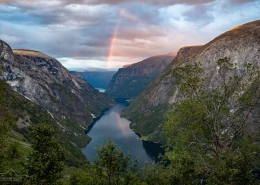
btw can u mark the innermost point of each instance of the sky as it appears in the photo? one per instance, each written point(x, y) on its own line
point(108, 34)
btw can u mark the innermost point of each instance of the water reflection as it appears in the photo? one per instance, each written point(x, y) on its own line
point(111, 124)
point(153, 149)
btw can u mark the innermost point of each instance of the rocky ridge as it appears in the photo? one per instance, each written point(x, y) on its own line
point(43, 80)
point(131, 80)
point(241, 45)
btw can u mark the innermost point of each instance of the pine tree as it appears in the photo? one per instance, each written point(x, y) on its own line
point(45, 163)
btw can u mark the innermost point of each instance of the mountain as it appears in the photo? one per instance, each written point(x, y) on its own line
point(147, 111)
point(71, 101)
point(93, 70)
point(27, 113)
point(96, 78)
point(130, 81)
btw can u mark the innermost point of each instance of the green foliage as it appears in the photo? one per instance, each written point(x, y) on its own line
point(45, 163)
point(211, 129)
point(147, 119)
point(17, 106)
point(87, 176)
point(76, 134)
point(112, 164)
point(157, 174)
point(114, 167)
point(147, 124)
point(10, 156)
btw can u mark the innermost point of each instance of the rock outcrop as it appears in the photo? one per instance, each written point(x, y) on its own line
point(43, 80)
point(130, 81)
point(241, 45)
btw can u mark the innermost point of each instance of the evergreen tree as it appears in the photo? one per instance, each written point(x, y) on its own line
point(10, 159)
point(45, 163)
point(114, 166)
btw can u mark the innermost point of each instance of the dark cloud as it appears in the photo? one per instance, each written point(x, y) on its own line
point(127, 29)
point(54, 14)
point(95, 42)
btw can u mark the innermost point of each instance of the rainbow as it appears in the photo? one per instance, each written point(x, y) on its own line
point(111, 46)
point(113, 40)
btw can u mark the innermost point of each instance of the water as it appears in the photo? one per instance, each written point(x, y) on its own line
point(101, 90)
point(111, 124)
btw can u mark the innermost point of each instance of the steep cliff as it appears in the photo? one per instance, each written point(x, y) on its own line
point(241, 45)
point(25, 114)
point(98, 79)
point(130, 81)
point(43, 80)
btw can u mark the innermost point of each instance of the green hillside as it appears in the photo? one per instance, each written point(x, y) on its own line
point(24, 114)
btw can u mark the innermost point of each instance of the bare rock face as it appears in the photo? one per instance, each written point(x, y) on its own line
point(131, 80)
point(241, 45)
point(43, 80)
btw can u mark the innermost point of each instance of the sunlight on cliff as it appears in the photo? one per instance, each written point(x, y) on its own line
point(235, 28)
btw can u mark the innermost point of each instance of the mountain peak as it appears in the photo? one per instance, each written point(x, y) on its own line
point(32, 53)
point(127, 65)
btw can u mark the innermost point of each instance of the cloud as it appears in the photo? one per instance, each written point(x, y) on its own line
point(157, 2)
point(241, 1)
point(88, 31)
point(31, 3)
point(11, 39)
point(200, 15)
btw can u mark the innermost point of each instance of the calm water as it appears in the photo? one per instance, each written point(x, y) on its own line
point(111, 124)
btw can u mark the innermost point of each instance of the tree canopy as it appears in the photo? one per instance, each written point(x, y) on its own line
point(213, 130)
point(45, 163)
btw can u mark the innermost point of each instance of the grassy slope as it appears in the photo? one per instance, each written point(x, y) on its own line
point(30, 113)
point(148, 119)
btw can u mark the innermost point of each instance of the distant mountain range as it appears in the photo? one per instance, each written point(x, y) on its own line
point(132, 79)
point(92, 70)
point(98, 78)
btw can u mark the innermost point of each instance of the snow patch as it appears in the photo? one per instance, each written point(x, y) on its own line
point(24, 96)
point(13, 83)
point(218, 68)
point(77, 134)
point(63, 129)
point(50, 114)
point(173, 98)
point(82, 127)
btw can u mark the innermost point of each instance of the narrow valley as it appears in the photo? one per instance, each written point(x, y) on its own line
point(110, 124)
